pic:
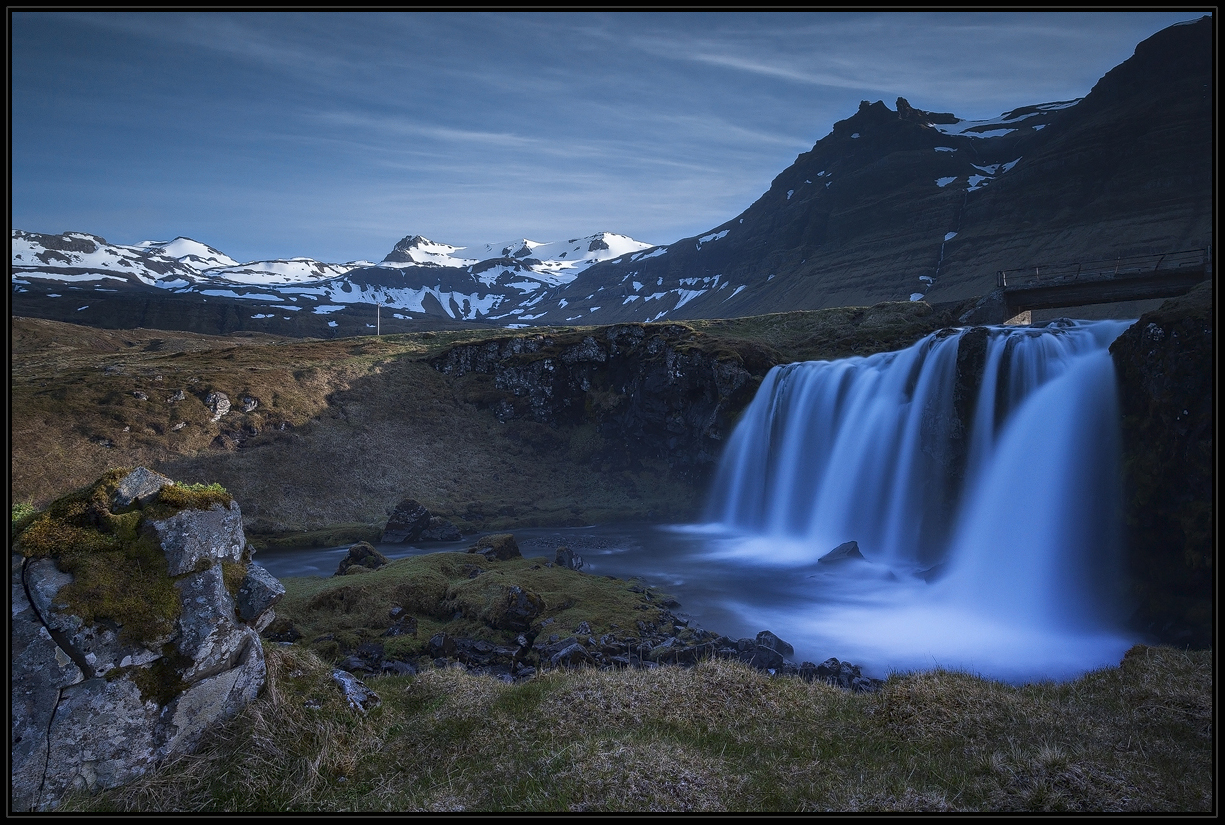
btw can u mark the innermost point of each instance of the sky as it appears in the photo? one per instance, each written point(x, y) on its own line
point(333, 135)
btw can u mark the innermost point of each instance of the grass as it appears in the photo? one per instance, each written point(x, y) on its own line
point(462, 594)
point(718, 737)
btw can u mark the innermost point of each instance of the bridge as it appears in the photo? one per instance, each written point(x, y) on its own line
point(1138, 277)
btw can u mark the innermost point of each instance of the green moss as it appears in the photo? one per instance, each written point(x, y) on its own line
point(233, 574)
point(176, 497)
point(130, 586)
point(162, 680)
point(23, 515)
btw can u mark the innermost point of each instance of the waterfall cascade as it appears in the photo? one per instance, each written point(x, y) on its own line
point(979, 473)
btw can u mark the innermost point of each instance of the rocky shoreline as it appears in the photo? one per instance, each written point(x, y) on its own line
point(666, 639)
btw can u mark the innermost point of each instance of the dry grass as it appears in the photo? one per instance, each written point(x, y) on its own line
point(347, 428)
point(718, 737)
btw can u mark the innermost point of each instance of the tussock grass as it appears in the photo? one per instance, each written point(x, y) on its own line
point(718, 737)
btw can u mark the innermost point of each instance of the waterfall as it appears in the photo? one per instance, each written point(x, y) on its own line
point(981, 481)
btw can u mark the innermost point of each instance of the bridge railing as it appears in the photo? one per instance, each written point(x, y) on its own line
point(1105, 269)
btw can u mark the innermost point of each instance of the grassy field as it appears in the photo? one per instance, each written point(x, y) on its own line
point(718, 737)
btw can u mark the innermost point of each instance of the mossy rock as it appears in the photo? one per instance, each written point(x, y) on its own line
point(120, 573)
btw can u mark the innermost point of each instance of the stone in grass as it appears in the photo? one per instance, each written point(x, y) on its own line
point(497, 547)
point(218, 404)
point(361, 555)
point(139, 486)
point(843, 552)
point(355, 691)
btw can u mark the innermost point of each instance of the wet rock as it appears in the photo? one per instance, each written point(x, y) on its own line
point(1165, 367)
point(843, 552)
point(767, 639)
point(140, 396)
point(567, 558)
point(363, 555)
point(175, 397)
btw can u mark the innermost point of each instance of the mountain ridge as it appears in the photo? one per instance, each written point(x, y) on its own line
point(894, 204)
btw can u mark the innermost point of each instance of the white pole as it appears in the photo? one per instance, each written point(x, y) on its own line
point(378, 318)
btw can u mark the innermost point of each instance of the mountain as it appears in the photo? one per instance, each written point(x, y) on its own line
point(894, 204)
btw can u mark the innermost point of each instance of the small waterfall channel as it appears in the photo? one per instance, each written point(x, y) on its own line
point(979, 473)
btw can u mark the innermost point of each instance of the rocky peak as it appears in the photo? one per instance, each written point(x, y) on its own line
point(907, 112)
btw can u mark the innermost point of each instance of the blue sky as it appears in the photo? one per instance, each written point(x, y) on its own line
point(333, 135)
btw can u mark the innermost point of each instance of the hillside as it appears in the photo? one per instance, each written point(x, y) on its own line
point(341, 430)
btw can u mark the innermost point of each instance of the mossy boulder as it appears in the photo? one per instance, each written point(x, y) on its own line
point(128, 642)
point(362, 556)
point(497, 547)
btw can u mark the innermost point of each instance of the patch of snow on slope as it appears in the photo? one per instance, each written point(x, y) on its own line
point(193, 253)
point(291, 271)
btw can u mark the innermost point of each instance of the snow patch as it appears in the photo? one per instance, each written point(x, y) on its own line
point(943, 182)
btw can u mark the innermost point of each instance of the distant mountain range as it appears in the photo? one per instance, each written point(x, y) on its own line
point(894, 204)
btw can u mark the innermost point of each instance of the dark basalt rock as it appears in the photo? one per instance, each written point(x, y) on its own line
point(843, 552)
point(410, 522)
point(767, 639)
point(567, 558)
point(652, 390)
point(1165, 370)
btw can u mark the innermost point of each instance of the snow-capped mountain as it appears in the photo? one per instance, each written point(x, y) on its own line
point(193, 253)
point(892, 205)
point(418, 277)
